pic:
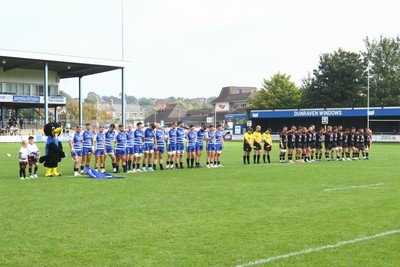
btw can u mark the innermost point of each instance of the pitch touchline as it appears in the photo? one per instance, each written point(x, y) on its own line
point(310, 250)
point(354, 186)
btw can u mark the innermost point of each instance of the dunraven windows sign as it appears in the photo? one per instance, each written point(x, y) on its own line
point(310, 113)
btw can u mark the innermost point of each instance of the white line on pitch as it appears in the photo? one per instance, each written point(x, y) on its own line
point(354, 187)
point(310, 250)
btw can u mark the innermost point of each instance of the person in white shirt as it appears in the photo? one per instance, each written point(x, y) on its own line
point(23, 160)
point(33, 155)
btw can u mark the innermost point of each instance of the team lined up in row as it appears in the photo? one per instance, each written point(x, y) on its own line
point(308, 143)
point(128, 146)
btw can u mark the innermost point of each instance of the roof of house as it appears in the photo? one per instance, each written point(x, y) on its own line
point(118, 108)
point(174, 111)
point(234, 93)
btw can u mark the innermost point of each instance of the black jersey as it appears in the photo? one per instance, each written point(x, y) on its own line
point(367, 139)
point(351, 139)
point(291, 138)
point(329, 137)
point(345, 141)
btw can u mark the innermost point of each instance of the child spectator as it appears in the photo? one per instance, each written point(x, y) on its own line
point(23, 160)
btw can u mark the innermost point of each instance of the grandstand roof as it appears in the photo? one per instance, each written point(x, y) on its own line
point(65, 66)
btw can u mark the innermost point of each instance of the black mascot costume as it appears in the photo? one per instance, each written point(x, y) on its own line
point(54, 149)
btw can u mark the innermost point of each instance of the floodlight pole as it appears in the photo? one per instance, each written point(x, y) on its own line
point(122, 29)
point(46, 92)
point(123, 96)
point(368, 97)
point(80, 103)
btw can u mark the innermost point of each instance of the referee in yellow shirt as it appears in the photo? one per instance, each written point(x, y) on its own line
point(247, 145)
point(257, 144)
point(267, 144)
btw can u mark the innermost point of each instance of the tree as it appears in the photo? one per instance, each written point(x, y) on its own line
point(339, 81)
point(277, 92)
point(383, 56)
point(90, 112)
point(145, 101)
point(131, 99)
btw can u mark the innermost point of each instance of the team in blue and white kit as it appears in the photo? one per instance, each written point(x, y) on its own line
point(140, 149)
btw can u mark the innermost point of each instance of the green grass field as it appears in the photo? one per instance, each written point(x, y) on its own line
point(205, 217)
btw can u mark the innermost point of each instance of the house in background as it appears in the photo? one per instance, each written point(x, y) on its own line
point(231, 103)
point(133, 112)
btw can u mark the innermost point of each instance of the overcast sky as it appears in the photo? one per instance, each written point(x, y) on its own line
point(194, 48)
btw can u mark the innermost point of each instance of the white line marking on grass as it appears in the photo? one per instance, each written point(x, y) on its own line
point(310, 250)
point(354, 187)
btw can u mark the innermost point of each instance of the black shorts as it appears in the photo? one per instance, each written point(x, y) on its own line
point(304, 145)
point(311, 145)
point(328, 146)
point(257, 146)
point(291, 146)
point(351, 144)
point(299, 145)
point(283, 146)
point(32, 160)
point(334, 144)
point(345, 145)
point(318, 146)
point(246, 148)
point(267, 148)
point(361, 147)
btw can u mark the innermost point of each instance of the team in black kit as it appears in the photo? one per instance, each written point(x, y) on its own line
point(309, 144)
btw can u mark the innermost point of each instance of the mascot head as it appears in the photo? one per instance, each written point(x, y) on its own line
point(52, 128)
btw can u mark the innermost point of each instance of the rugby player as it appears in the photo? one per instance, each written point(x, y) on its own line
point(120, 148)
point(368, 143)
point(319, 138)
point(87, 145)
point(283, 144)
point(210, 147)
point(191, 146)
point(149, 141)
point(129, 148)
point(75, 143)
point(138, 147)
point(99, 153)
point(199, 144)
point(292, 136)
point(110, 140)
point(171, 146)
point(219, 145)
point(180, 146)
point(159, 147)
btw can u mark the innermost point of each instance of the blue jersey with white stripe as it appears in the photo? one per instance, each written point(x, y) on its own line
point(149, 136)
point(120, 141)
point(191, 138)
point(138, 137)
point(180, 135)
point(87, 138)
point(100, 138)
point(160, 138)
point(110, 137)
point(218, 137)
point(200, 136)
point(212, 140)
point(130, 137)
point(77, 141)
point(172, 136)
